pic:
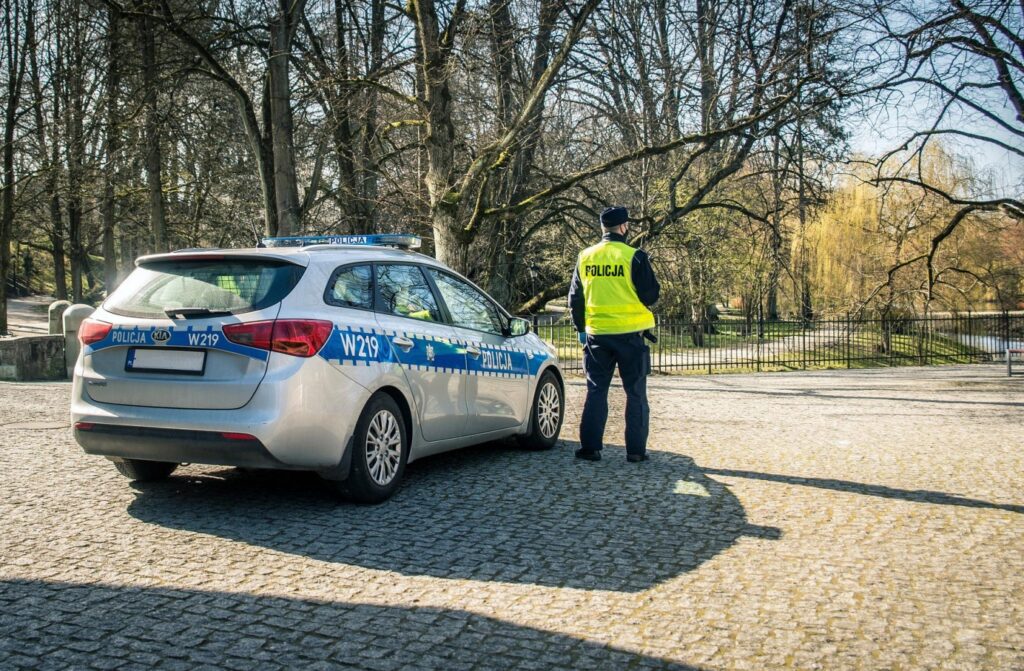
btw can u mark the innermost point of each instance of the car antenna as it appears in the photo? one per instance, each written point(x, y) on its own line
point(259, 240)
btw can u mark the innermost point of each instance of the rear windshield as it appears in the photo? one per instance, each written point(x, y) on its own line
point(201, 287)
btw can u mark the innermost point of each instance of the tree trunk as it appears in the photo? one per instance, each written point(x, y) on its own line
point(49, 154)
point(439, 143)
point(775, 240)
point(15, 56)
point(696, 287)
point(342, 130)
point(537, 301)
point(113, 147)
point(450, 247)
point(75, 113)
point(154, 161)
point(7, 199)
point(707, 19)
point(60, 271)
point(75, 232)
point(806, 309)
point(264, 147)
point(368, 160)
point(286, 191)
point(503, 45)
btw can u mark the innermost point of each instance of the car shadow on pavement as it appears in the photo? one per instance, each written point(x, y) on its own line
point(915, 495)
point(70, 625)
point(491, 513)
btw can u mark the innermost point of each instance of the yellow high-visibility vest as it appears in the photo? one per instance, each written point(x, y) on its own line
point(612, 305)
point(228, 283)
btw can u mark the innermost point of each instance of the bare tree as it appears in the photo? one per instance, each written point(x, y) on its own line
point(48, 146)
point(458, 195)
point(968, 58)
point(272, 142)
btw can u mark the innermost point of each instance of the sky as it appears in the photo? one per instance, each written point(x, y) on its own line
point(889, 128)
point(886, 127)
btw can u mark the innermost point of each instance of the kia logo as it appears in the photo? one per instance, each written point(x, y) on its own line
point(161, 336)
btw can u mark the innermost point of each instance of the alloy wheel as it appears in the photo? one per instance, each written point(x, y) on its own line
point(383, 447)
point(549, 407)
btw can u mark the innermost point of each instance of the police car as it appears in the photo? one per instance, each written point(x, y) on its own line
point(350, 356)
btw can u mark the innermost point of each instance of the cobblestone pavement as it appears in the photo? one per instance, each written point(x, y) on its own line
point(835, 520)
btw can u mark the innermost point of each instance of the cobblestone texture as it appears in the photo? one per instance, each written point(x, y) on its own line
point(835, 520)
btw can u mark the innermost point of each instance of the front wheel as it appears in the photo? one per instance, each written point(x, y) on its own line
point(138, 470)
point(546, 415)
point(380, 449)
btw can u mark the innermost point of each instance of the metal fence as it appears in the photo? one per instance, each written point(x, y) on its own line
point(736, 345)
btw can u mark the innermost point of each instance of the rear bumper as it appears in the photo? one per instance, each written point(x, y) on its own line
point(302, 415)
point(174, 445)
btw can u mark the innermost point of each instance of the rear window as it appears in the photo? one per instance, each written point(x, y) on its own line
point(201, 287)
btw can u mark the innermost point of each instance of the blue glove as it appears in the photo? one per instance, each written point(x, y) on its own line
point(583, 337)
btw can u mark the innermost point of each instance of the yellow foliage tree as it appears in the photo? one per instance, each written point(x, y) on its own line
point(872, 244)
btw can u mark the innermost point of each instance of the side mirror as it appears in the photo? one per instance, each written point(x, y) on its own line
point(518, 327)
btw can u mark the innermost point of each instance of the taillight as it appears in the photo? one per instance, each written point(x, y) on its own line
point(93, 330)
point(300, 337)
point(297, 337)
point(251, 334)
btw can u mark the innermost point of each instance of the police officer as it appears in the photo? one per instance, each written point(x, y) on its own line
point(612, 290)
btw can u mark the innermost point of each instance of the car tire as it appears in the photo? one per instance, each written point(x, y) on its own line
point(546, 415)
point(380, 448)
point(138, 470)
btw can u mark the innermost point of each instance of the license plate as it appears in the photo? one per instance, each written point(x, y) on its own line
point(166, 360)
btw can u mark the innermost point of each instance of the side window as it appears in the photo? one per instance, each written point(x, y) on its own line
point(351, 287)
point(470, 309)
point(404, 291)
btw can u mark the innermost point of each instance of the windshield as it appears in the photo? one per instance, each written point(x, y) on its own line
point(200, 288)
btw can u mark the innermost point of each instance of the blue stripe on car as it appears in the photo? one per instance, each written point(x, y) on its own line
point(208, 338)
point(353, 346)
point(367, 346)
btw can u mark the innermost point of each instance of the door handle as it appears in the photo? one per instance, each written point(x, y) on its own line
point(403, 342)
point(472, 351)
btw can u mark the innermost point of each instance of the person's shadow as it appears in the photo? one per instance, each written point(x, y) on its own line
point(492, 512)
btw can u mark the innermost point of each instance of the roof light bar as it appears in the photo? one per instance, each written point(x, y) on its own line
point(399, 240)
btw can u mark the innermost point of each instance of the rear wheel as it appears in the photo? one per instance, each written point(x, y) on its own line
point(138, 470)
point(380, 448)
point(546, 414)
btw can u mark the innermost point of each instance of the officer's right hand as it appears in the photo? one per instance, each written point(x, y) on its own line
point(583, 337)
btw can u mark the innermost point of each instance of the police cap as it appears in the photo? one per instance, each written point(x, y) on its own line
point(614, 216)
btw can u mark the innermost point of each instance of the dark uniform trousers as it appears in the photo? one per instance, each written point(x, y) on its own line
point(601, 354)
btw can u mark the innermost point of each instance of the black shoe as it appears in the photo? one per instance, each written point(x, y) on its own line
point(636, 458)
point(588, 455)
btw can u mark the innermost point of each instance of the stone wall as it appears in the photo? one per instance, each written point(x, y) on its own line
point(32, 358)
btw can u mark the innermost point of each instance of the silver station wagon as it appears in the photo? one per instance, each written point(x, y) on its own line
point(344, 355)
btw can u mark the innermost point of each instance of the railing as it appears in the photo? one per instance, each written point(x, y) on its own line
point(735, 345)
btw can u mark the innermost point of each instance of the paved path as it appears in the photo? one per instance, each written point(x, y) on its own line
point(832, 520)
point(27, 316)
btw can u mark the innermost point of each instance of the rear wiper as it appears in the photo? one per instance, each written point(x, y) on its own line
point(190, 313)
